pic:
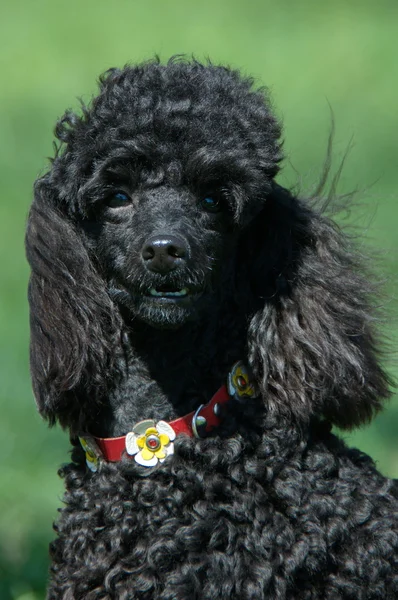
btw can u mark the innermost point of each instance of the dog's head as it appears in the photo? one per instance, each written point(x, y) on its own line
point(159, 175)
point(161, 201)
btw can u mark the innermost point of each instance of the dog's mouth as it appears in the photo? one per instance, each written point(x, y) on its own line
point(168, 291)
point(157, 291)
point(159, 303)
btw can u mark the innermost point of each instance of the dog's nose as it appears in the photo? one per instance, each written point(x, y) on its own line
point(164, 253)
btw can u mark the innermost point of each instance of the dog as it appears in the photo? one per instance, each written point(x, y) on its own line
point(198, 330)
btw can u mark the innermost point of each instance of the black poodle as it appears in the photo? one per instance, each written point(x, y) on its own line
point(199, 330)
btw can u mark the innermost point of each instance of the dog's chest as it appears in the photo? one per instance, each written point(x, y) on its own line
point(184, 533)
point(223, 519)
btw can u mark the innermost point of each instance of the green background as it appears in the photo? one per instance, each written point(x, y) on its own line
point(309, 53)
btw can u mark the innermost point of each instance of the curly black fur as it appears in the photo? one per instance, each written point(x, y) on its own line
point(273, 505)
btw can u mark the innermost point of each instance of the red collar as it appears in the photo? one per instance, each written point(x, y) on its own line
point(150, 443)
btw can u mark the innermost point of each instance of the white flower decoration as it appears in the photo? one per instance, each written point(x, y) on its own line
point(150, 443)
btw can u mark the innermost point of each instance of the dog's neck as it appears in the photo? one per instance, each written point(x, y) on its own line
point(164, 374)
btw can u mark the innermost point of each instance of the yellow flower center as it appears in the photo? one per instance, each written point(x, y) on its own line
point(151, 443)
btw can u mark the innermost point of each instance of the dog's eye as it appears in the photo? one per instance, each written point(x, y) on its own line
point(212, 203)
point(118, 199)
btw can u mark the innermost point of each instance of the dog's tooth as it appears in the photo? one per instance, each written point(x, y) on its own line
point(178, 293)
point(154, 292)
point(182, 292)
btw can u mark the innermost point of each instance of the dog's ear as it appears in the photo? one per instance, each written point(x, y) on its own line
point(312, 341)
point(71, 315)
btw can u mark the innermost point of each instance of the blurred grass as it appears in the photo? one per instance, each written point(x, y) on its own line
point(308, 53)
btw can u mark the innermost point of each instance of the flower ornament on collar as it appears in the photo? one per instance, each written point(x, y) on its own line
point(150, 443)
point(91, 453)
point(240, 383)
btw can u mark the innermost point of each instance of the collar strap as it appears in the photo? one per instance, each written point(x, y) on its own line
point(150, 442)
